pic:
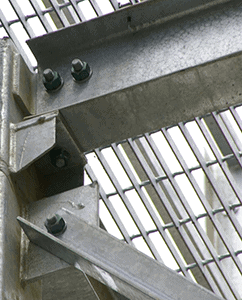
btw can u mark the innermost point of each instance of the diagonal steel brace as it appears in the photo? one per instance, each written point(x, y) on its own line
point(114, 263)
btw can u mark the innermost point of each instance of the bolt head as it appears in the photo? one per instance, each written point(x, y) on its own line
point(59, 157)
point(48, 75)
point(52, 80)
point(77, 65)
point(55, 225)
point(52, 220)
point(80, 73)
point(60, 162)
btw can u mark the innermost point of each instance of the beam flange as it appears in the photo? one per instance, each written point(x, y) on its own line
point(146, 74)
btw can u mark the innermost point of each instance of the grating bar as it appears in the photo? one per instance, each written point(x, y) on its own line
point(96, 7)
point(211, 179)
point(164, 177)
point(187, 220)
point(236, 116)
point(11, 33)
point(209, 211)
point(22, 18)
point(220, 160)
point(189, 211)
point(114, 4)
point(230, 128)
point(78, 10)
point(63, 19)
point(151, 212)
point(129, 207)
point(174, 217)
point(41, 15)
point(208, 261)
point(110, 207)
point(227, 136)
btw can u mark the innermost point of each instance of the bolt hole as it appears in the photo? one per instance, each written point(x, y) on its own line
point(129, 19)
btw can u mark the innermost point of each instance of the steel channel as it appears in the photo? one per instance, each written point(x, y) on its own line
point(59, 13)
point(219, 159)
point(211, 178)
point(210, 213)
point(189, 211)
point(227, 136)
point(172, 214)
point(41, 16)
point(110, 207)
point(128, 205)
point(22, 18)
point(150, 211)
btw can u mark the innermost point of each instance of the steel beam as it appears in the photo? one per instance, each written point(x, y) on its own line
point(114, 263)
point(147, 72)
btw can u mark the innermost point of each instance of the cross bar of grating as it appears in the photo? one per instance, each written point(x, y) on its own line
point(186, 236)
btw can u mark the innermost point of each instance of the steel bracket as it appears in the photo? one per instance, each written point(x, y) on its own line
point(114, 263)
point(59, 279)
point(31, 143)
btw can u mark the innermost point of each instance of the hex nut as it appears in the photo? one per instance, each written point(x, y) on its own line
point(52, 80)
point(80, 70)
point(55, 225)
point(59, 157)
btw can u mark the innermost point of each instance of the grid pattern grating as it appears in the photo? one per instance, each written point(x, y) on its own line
point(175, 193)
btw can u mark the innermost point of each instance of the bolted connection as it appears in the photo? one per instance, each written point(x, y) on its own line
point(52, 80)
point(80, 70)
point(55, 225)
point(59, 157)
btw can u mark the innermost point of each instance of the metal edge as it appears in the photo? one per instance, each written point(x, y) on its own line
point(125, 21)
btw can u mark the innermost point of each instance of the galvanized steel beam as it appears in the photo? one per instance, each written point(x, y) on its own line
point(114, 263)
point(147, 72)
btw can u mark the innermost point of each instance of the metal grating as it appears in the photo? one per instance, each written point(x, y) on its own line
point(174, 194)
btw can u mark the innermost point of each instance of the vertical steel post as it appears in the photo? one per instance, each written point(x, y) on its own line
point(11, 287)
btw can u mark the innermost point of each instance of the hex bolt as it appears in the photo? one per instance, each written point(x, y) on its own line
point(77, 65)
point(48, 75)
point(55, 225)
point(52, 80)
point(52, 220)
point(59, 157)
point(80, 70)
